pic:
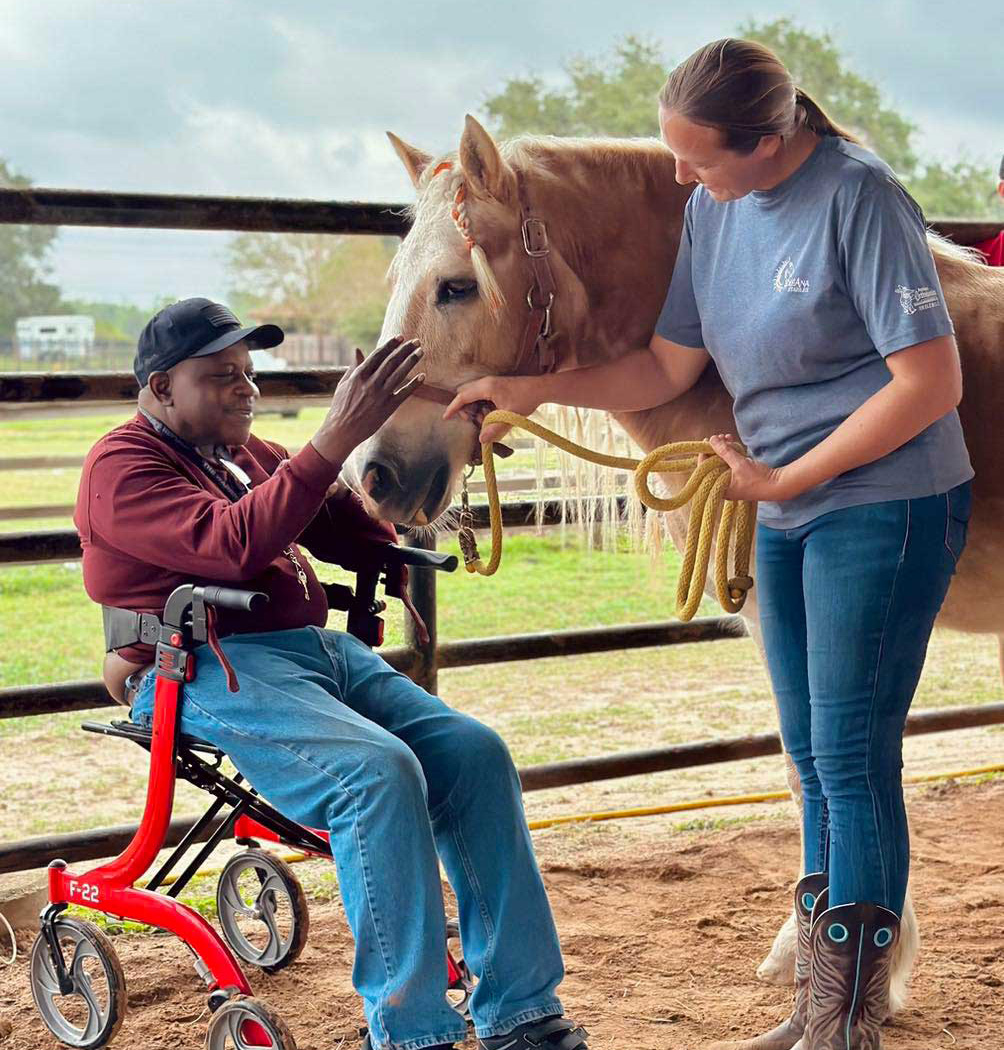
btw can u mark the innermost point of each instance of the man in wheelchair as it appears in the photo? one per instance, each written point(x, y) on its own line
point(316, 721)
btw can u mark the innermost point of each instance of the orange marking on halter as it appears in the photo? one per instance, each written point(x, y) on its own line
point(446, 165)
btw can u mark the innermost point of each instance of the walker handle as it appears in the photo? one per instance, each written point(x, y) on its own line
point(231, 598)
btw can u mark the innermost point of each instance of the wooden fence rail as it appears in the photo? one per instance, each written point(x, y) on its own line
point(106, 842)
point(64, 544)
point(39, 206)
point(24, 701)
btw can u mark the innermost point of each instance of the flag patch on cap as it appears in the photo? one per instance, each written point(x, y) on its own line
point(220, 316)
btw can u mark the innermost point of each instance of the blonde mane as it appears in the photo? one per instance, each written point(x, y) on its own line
point(944, 248)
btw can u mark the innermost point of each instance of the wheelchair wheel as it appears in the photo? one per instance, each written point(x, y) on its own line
point(459, 990)
point(243, 1023)
point(90, 1014)
point(262, 909)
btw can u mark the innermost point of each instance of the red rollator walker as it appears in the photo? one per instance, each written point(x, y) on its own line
point(76, 978)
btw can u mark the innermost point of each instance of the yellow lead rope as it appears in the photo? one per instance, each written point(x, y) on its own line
point(706, 487)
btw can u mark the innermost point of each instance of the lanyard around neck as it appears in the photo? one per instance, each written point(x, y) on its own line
point(234, 482)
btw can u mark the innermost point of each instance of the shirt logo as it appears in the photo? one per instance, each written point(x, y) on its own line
point(785, 279)
point(914, 299)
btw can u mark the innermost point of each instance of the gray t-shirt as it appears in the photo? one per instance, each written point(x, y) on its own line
point(799, 293)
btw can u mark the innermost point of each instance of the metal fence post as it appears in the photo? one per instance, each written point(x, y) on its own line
point(422, 589)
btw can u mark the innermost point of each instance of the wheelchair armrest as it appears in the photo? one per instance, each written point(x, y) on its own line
point(396, 556)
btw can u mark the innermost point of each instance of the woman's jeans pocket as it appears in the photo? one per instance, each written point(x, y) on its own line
point(959, 503)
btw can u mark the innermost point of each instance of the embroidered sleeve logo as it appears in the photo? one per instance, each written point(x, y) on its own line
point(914, 299)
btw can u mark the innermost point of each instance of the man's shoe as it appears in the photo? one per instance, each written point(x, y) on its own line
point(810, 892)
point(548, 1033)
point(852, 948)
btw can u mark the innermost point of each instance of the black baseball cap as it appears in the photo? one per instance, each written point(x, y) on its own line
point(194, 328)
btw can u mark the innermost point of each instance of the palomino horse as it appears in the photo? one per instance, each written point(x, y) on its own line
point(612, 213)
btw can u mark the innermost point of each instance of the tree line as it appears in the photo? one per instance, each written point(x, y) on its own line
point(324, 284)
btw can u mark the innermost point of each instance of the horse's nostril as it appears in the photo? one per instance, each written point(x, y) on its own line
point(413, 490)
point(380, 479)
point(437, 490)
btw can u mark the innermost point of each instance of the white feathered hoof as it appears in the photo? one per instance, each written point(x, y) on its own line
point(903, 958)
point(779, 966)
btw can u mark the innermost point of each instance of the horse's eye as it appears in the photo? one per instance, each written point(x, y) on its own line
point(452, 291)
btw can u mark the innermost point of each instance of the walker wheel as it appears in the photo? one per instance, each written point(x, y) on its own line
point(89, 1015)
point(243, 1023)
point(262, 909)
point(460, 989)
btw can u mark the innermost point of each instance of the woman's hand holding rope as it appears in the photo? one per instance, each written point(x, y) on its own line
point(512, 393)
point(751, 479)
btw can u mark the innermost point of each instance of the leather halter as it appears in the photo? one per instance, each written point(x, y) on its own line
point(536, 354)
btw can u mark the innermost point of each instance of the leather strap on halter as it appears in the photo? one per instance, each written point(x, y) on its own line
point(536, 353)
point(434, 393)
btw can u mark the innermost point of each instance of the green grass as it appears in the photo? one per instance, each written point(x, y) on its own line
point(724, 823)
point(52, 631)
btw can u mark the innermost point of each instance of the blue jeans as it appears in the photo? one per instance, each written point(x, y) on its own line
point(336, 739)
point(847, 604)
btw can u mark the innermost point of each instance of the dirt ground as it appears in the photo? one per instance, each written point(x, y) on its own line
point(662, 932)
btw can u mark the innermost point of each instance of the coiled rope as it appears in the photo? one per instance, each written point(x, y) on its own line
point(705, 488)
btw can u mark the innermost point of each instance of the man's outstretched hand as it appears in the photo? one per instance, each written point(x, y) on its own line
point(367, 396)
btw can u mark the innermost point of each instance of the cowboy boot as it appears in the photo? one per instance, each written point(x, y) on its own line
point(851, 948)
point(810, 890)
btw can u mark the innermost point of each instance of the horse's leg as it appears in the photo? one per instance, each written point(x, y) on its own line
point(779, 966)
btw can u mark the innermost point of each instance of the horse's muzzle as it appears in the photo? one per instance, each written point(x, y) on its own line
point(409, 494)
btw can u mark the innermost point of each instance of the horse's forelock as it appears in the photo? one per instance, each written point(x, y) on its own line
point(442, 198)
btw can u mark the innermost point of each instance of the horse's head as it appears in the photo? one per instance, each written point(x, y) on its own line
point(459, 285)
point(475, 275)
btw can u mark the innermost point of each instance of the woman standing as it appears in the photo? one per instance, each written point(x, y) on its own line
point(804, 272)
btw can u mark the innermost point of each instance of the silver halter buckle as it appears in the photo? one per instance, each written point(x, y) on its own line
point(535, 238)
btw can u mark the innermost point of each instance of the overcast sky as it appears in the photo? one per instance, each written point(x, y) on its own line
point(292, 98)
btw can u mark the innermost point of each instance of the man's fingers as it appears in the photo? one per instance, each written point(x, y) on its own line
point(403, 370)
point(404, 392)
point(370, 365)
point(393, 362)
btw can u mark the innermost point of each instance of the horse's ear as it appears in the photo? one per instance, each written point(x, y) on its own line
point(414, 160)
point(487, 173)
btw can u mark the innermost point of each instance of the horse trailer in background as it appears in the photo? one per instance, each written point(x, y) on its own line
point(58, 336)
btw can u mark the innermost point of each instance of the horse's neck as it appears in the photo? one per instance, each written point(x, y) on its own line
point(615, 220)
point(618, 232)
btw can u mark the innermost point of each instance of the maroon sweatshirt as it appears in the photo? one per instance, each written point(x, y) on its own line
point(150, 520)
